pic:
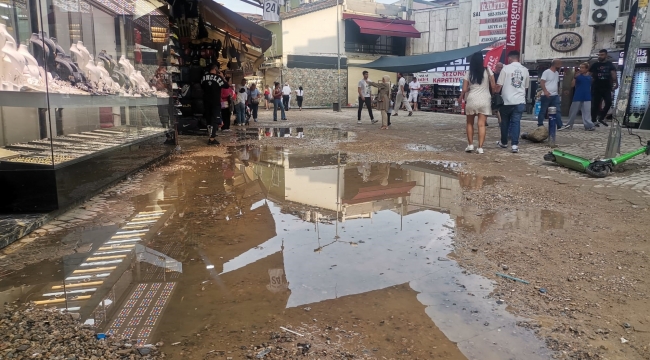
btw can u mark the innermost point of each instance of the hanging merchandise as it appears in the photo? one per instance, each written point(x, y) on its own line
point(226, 43)
point(202, 31)
point(271, 11)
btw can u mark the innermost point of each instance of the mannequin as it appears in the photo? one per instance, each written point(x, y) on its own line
point(32, 64)
point(5, 37)
point(109, 84)
point(81, 56)
point(92, 72)
point(14, 64)
point(126, 65)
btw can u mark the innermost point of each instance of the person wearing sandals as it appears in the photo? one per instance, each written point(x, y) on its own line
point(581, 98)
point(383, 99)
point(476, 92)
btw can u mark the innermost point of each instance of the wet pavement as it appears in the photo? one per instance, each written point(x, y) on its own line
point(269, 237)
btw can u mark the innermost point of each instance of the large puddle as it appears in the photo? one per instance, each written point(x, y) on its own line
point(259, 239)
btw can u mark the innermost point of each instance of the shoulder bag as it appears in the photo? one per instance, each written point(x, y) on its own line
point(497, 100)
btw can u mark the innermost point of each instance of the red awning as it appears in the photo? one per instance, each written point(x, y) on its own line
point(387, 29)
point(383, 26)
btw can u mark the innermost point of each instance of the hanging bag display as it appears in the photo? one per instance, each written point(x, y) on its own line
point(203, 31)
point(497, 100)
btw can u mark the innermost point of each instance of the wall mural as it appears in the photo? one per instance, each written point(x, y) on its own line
point(568, 14)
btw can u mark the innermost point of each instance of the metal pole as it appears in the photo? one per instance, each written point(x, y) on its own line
point(620, 111)
point(338, 55)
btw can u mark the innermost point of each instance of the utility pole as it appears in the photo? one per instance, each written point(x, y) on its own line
point(620, 111)
point(338, 55)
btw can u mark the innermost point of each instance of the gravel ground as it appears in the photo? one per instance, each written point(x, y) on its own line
point(586, 265)
point(37, 333)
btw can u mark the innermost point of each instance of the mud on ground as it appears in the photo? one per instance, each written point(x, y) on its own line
point(586, 265)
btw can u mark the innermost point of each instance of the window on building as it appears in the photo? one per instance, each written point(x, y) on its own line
point(357, 42)
point(626, 5)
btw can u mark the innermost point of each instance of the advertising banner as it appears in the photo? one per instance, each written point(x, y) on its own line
point(515, 25)
point(493, 57)
point(452, 78)
point(493, 17)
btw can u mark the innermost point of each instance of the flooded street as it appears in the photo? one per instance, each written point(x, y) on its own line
point(288, 244)
point(219, 257)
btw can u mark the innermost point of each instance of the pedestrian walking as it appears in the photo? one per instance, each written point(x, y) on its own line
point(414, 87)
point(240, 107)
point(513, 82)
point(550, 82)
point(364, 98)
point(383, 99)
point(226, 113)
point(300, 93)
point(497, 71)
point(478, 101)
point(213, 84)
point(242, 85)
point(604, 83)
point(286, 96)
point(400, 98)
point(277, 103)
point(581, 98)
point(254, 97)
point(267, 97)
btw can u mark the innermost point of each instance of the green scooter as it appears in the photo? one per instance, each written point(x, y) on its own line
point(598, 168)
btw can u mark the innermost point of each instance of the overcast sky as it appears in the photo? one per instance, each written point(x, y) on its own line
point(240, 6)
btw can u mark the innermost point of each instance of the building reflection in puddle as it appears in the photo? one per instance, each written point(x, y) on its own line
point(372, 226)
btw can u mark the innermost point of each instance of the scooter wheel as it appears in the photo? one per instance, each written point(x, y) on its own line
point(598, 170)
point(549, 157)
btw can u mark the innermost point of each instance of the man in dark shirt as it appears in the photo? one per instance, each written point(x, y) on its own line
point(604, 81)
point(212, 83)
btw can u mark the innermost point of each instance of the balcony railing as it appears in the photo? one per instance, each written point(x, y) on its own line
point(372, 49)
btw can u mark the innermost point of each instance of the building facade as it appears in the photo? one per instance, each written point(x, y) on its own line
point(312, 36)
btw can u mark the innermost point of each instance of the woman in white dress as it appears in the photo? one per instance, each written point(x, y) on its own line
point(476, 92)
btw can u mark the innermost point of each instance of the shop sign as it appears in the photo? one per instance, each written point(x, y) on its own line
point(452, 78)
point(641, 56)
point(493, 17)
point(514, 25)
point(566, 42)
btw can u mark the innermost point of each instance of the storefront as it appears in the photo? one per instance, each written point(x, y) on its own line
point(440, 90)
point(92, 89)
point(640, 91)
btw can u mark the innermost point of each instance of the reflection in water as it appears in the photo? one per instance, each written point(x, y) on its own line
point(323, 229)
point(372, 226)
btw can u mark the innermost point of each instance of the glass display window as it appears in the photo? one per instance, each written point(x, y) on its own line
point(85, 96)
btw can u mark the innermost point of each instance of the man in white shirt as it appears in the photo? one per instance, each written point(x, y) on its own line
point(549, 83)
point(364, 98)
point(286, 93)
point(513, 82)
point(401, 96)
point(414, 86)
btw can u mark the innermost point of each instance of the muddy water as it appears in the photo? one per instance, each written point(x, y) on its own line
point(220, 256)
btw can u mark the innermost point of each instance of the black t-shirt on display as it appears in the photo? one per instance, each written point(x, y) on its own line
point(601, 72)
point(212, 85)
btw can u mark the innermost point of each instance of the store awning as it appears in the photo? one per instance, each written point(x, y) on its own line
point(236, 25)
point(424, 62)
point(380, 26)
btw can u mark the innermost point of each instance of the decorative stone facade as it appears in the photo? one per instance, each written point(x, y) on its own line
point(320, 86)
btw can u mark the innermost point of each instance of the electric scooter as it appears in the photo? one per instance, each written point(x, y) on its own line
point(598, 168)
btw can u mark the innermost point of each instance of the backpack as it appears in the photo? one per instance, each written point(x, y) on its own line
point(406, 87)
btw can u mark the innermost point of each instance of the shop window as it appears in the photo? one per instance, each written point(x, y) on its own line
point(357, 42)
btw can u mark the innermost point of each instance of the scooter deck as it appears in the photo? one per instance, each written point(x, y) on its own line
point(571, 161)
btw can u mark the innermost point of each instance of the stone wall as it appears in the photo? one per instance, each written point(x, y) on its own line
point(319, 85)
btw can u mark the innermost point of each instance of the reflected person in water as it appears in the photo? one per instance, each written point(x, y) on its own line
point(383, 99)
